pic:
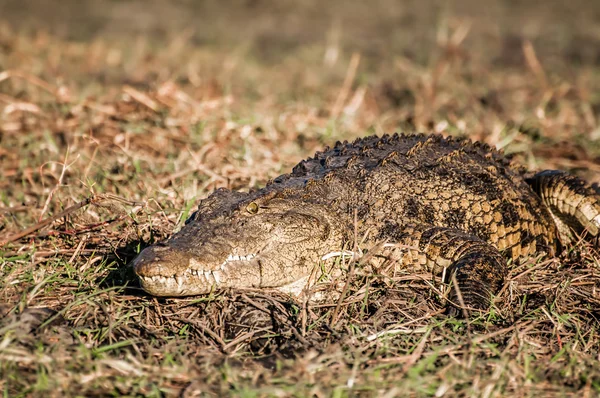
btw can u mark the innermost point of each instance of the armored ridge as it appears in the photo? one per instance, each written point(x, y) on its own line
point(452, 207)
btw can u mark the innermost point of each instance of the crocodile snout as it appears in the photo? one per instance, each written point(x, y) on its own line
point(160, 260)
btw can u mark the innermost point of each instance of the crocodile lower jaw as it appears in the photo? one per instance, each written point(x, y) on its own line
point(189, 284)
point(195, 280)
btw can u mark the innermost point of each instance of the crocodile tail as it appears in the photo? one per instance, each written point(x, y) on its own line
point(573, 203)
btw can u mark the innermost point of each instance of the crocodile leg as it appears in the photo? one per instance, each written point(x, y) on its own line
point(573, 204)
point(476, 266)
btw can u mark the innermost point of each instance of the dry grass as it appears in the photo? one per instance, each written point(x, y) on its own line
point(106, 146)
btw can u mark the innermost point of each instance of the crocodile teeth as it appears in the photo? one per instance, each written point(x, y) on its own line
point(232, 257)
point(239, 258)
point(211, 276)
point(217, 276)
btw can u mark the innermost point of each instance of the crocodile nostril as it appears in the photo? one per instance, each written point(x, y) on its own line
point(146, 260)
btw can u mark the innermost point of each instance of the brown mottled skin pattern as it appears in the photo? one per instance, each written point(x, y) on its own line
point(446, 206)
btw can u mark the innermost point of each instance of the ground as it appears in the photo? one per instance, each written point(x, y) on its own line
point(117, 117)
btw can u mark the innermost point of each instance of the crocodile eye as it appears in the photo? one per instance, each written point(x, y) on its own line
point(252, 208)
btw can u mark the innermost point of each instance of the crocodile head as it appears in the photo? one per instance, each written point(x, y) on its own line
point(240, 240)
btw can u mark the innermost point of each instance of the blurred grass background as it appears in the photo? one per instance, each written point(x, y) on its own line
point(562, 32)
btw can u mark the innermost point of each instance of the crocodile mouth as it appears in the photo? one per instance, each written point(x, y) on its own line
point(167, 274)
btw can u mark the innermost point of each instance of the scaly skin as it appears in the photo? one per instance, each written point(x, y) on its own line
point(446, 206)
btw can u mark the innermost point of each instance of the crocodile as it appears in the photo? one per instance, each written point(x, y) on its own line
point(459, 210)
